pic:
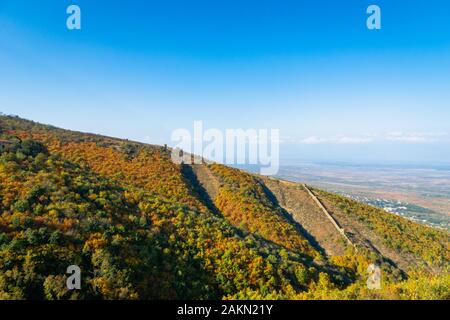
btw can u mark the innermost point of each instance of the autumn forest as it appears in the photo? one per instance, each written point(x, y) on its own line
point(141, 227)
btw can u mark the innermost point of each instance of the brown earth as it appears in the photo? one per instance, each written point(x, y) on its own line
point(364, 237)
point(293, 198)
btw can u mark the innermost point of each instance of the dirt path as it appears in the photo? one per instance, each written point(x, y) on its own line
point(206, 180)
point(294, 198)
point(204, 183)
point(362, 235)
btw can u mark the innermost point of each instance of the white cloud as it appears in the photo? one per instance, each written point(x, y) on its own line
point(288, 140)
point(399, 137)
point(416, 137)
point(336, 140)
point(353, 140)
point(313, 140)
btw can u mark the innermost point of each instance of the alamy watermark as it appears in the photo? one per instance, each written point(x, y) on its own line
point(374, 20)
point(74, 280)
point(231, 146)
point(73, 21)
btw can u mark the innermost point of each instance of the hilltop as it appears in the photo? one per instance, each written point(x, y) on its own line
point(141, 227)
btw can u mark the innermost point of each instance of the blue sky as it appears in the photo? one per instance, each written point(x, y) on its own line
point(140, 69)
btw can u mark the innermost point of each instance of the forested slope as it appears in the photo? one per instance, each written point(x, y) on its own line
point(139, 228)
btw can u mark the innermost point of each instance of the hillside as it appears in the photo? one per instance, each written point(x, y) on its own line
point(141, 227)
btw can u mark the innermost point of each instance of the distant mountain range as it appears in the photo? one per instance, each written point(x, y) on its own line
point(141, 227)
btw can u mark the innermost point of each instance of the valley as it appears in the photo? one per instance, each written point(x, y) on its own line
point(418, 192)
